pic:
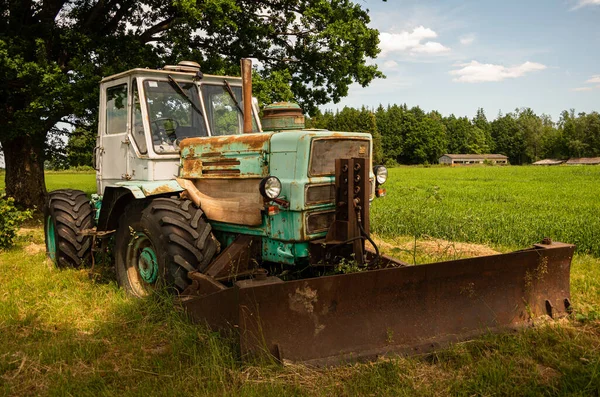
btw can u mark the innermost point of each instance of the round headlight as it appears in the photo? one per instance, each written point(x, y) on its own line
point(270, 187)
point(381, 174)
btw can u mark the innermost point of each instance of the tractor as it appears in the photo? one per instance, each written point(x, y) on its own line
point(245, 219)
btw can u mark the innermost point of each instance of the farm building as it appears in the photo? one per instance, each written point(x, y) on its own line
point(549, 162)
point(467, 159)
point(583, 161)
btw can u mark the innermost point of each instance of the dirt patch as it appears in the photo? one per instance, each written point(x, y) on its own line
point(34, 248)
point(445, 247)
point(547, 374)
point(438, 247)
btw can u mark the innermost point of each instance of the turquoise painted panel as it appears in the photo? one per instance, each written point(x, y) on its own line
point(286, 253)
point(141, 189)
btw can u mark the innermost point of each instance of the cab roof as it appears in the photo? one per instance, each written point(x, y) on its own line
point(142, 72)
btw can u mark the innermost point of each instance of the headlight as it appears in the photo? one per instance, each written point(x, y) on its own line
point(270, 187)
point(381, 174)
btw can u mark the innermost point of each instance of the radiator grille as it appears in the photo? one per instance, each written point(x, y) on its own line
point(320, 194)
point(318, 222)
point(325, 151)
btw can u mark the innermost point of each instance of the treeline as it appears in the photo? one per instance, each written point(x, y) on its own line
point(413, 136)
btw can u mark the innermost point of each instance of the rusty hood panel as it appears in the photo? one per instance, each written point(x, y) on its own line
point(215, 146)
point(409, 310)
point(233, 156)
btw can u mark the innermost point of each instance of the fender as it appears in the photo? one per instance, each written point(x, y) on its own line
point(117, 197)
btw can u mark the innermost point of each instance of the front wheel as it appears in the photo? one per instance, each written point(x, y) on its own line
point(67, 214)
point(158, 242)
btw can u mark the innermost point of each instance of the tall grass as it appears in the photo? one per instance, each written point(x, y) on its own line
point(82, 180)
point(507, 206)
point(63, 333)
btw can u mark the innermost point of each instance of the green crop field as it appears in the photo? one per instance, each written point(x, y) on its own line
point(505, 206)
point(64, 333)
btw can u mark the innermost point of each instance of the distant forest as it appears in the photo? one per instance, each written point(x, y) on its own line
point(412, 136)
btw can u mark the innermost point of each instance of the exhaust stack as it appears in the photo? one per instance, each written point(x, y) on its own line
point(247, 93)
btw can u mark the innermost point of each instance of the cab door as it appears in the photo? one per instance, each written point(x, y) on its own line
point(112, 158)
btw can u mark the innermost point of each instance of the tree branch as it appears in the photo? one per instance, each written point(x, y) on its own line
point(159, 27)
point(114, 22)
point(50, 10)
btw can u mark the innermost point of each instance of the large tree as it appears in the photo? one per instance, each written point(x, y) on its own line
point(54, 52)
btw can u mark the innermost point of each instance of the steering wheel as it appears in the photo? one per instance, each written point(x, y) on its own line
point(170, 132)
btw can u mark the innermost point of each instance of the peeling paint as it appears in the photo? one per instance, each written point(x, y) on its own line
point(303, 301)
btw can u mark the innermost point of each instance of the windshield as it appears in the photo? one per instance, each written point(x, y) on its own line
point(222, 111)
point(172, 115)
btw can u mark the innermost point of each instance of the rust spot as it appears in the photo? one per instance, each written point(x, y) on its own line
point(217, 143)
point(303, 301)
point(192, 168)
point(159, 190)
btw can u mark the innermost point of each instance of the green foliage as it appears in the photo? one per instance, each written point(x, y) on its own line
point(465, 137)
point(81, 147)
point(10, 220)
point(351, 120)
point(426, 142)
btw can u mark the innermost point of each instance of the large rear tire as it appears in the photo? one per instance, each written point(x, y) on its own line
point(158, 242)
point(67, 213)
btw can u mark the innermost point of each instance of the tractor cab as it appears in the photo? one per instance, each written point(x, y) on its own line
point(145, 114)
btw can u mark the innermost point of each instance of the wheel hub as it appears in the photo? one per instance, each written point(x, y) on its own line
point(143, 257)
point(148, 265)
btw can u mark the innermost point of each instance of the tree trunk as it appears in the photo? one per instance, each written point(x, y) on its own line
point(24, 159)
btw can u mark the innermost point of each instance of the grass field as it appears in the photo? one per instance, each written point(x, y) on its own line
point(62, 333)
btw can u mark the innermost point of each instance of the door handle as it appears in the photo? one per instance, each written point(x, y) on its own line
point(95, 161)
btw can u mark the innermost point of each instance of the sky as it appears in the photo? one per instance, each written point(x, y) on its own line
point(456, 56)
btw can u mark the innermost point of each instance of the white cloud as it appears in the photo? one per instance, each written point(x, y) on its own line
point(583, 3)
point(594, 79)
point(582, 89)
point(431, 47)
point(467, 40)
point(390, 64)
point(475, 72)
point(411, 42)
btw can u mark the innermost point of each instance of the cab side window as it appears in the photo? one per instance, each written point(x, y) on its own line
point(116, 109)
point(138, 125)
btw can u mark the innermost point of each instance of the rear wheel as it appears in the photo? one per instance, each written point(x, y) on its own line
point(67, 213)
point(158, 242)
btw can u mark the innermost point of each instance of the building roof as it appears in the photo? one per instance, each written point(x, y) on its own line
point(549, 162)
point(584, 160)
point(477, 156)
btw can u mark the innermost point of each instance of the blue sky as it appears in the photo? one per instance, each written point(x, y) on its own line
point(455, 56)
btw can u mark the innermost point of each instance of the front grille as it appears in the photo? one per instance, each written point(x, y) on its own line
point(324, 152)
point(320, 194)
point(318, 222)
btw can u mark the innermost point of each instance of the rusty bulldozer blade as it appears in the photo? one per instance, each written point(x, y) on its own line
point(406, 310)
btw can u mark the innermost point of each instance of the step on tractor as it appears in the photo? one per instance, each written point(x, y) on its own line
point(249, 221)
